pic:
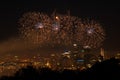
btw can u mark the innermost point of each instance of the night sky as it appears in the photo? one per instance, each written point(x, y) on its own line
point(108, 14)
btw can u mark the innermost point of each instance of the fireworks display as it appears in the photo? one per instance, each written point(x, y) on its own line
point(93, 34)
point(60, 30)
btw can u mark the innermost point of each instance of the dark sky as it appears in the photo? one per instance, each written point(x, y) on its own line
point(108, 14)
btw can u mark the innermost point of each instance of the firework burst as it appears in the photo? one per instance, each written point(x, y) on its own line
point(93, 34)
point(62, 30)
point(35, 27)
